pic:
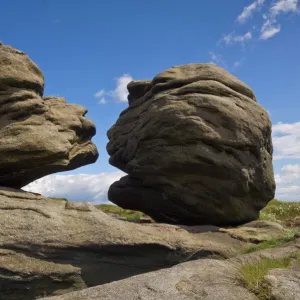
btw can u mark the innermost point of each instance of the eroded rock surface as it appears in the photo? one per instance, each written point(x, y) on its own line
point(284, 283)
point(50, 247)
point(256, 231)
point(38, 136)
point(204, 279)
point(197, 147)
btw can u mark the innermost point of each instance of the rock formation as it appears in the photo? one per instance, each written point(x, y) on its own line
point(205, 279)
point(38, 136)
point(196, 146)
point(53, 247)
point(50, 247)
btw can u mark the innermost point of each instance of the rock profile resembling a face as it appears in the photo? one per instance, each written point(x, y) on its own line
point(196, 146)
point(38, 136)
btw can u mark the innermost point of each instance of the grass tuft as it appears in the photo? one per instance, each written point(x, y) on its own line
point(252, 275)
point(58, 199)
point(275, 242)
point(285, 213)
point(129, 215)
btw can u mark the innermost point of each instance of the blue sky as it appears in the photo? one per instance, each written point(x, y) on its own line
point(88, 51)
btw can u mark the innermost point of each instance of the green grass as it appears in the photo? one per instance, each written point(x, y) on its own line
point(274, 243)
point(129, 215)
point(59, 199)
point(252, 275)
point(281, 212)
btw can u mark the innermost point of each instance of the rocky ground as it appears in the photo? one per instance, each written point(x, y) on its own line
point(53, 247)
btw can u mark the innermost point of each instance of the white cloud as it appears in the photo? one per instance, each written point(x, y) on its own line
point(286, 140)
point(271, 27)
point(119, 94)
point(284, 6)
point(237, 63)
point(269, 31)
point(102, 101)
point(100, 94)
point(249, 10)
point(288, 193)
point(81, 187)
point(217, 59)
point(231, 38)
point(289, 173)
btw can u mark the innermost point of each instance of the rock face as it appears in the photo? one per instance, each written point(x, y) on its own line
point(197, 147)
point(205, 279)
point(38, 136)
point(284, 283)
point(52, 247)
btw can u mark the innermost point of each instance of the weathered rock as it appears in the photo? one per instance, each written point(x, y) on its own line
point(197, 148)
point(264, 225)
point(204, 279)
point(38, 136)
point(199, 280)
point(256, 231)
point(53, 246)
point(284, 283)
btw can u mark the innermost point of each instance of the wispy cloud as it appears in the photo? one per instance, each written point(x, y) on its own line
point(232, 38)
point(249, 10)
point(99, 95)
point(119, 94)
point(217, 59)
point(288, 193)
point(102, 101)
point(264, 29)
point(288, 174)
point(271, 26)
point(269, 29)
point(284, 6)
point(286, 140)
point(238, 63)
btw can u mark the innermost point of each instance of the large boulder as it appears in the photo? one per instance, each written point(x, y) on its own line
point(38, 136)
point(196, 146)
point(50, 247)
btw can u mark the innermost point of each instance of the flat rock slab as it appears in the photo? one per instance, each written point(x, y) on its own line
point(204, 279)
point(256, 231)
point(54, 246)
